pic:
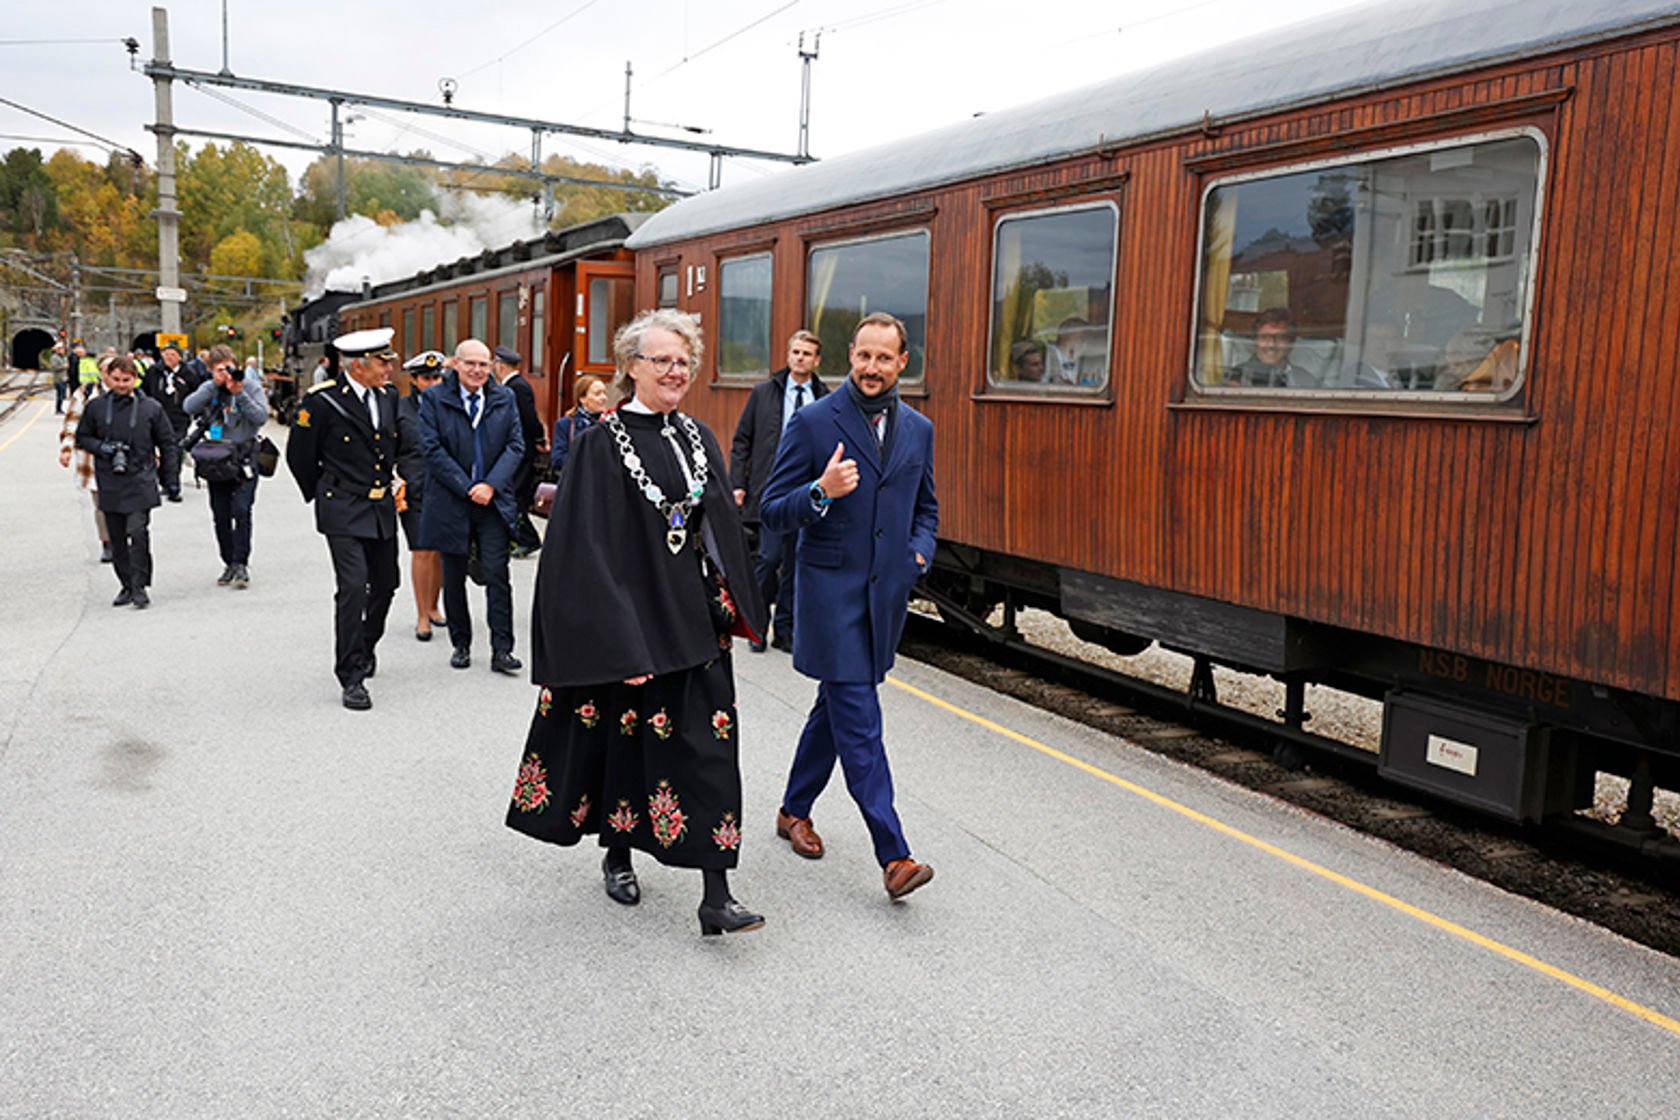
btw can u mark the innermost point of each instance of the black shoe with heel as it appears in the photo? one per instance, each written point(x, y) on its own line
point(731, 917)
point(622, 887)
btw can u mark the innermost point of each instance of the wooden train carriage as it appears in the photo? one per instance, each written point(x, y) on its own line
point(1457, 494)
point(556, 300)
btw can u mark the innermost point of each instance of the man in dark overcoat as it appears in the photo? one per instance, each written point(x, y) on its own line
point(753, 453)
point(470, 435)
point(169, 383)
point(343, 449)
point(854, 480)
point(507, 361)
point(129, 437)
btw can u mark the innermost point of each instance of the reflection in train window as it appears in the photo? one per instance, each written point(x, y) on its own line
point(478, 319)
point(507, 320)
point(667, 287)
point(1052, 291)
point(743, 330)
point(539, 304)
point(850, 279)
point(1408, 272)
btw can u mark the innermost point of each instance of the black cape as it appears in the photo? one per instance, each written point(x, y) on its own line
point(612, 601)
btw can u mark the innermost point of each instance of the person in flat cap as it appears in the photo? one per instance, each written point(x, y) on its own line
point(425, 566)
point(507, 363)
point(343, 451)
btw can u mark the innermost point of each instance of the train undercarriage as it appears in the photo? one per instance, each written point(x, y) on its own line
point(1514, 743)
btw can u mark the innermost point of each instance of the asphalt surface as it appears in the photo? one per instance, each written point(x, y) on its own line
point(222, 894)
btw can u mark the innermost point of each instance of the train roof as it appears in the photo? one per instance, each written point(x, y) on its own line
point(1372, 47)
point(550, 248)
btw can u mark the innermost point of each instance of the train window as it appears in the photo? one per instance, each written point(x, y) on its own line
point(1052, 291)
point(428, 326)
point(507, 320)
point(847, 280)
point(667, 287)
point(539, 302)
point(743, 330)
point(1395, 274)
point(451, 325)
point(478, 318)
point(408, 338)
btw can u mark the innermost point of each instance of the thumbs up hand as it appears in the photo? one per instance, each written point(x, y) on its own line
point(840, 475)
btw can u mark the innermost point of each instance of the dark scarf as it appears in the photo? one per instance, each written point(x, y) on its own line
point(871, 407)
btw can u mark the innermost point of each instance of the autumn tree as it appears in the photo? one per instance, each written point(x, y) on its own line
point(370, 187)
point(225, 190)
point(28, 200)
point(104, 212)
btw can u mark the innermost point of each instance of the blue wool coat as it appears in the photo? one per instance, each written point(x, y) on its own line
point(854, 566)
point(446, 441)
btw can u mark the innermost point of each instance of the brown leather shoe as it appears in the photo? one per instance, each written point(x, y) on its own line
point(902, 876)
point(798, 832)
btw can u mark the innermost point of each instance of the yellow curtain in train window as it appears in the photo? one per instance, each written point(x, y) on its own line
point(1216, 284)
point(824, 267)
point(1005, 312)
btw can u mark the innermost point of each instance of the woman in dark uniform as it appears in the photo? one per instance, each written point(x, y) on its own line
point(425, 567)
point(636, 734)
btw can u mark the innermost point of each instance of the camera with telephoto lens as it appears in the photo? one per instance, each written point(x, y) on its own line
point(119, 458)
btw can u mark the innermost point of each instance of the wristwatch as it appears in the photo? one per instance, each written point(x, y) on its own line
point(819, 497)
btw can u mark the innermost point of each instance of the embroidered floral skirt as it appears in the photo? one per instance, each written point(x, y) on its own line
point(651, 767)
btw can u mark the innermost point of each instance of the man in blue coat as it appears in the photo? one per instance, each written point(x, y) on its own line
point(469, 434)
point(854, 479)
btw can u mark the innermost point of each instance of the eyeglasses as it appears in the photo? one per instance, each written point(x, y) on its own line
point(666, 365)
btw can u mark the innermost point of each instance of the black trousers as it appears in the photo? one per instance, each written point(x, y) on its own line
point(230, 509)
point(131, 547)
point(367, 580)
point(773, 569)
point(491, 532)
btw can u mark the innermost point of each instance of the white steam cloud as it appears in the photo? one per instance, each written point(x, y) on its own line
point(463, 225)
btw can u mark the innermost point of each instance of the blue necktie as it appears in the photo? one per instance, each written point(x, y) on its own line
point(798, 397)
point(478, 445)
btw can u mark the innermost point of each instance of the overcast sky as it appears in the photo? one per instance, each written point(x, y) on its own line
point(887, 68)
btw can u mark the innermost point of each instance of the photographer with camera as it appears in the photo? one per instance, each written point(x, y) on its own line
point(127, 432)
point(229, 412)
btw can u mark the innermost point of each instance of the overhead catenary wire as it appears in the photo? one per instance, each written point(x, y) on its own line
point(251, 109)
point(739, 31)
point(563, 19)
point(109, 143)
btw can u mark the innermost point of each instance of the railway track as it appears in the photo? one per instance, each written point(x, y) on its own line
point(17, 388)
point(1576, 866)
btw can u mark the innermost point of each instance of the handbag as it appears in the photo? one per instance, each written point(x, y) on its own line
point(542, 502)
point(217, 460)
point(268, 457)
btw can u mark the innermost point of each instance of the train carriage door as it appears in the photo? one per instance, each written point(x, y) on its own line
point(606, 300)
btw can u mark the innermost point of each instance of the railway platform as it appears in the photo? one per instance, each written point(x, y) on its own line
point(223, 894)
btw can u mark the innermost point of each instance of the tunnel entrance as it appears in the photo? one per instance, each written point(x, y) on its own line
point(27, 346)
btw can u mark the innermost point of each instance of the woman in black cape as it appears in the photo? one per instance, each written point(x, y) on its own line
point(635, 735)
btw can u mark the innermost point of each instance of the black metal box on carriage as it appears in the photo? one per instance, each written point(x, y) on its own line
point(1468, 755)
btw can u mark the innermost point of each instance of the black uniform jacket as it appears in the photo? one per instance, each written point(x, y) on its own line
point(342, 464)
point(411, 462)
point(759, 430)
point(530, 426)
point(614, 602)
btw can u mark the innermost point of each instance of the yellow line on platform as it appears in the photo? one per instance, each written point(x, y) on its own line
point(1440, 923)
point(40, 412)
